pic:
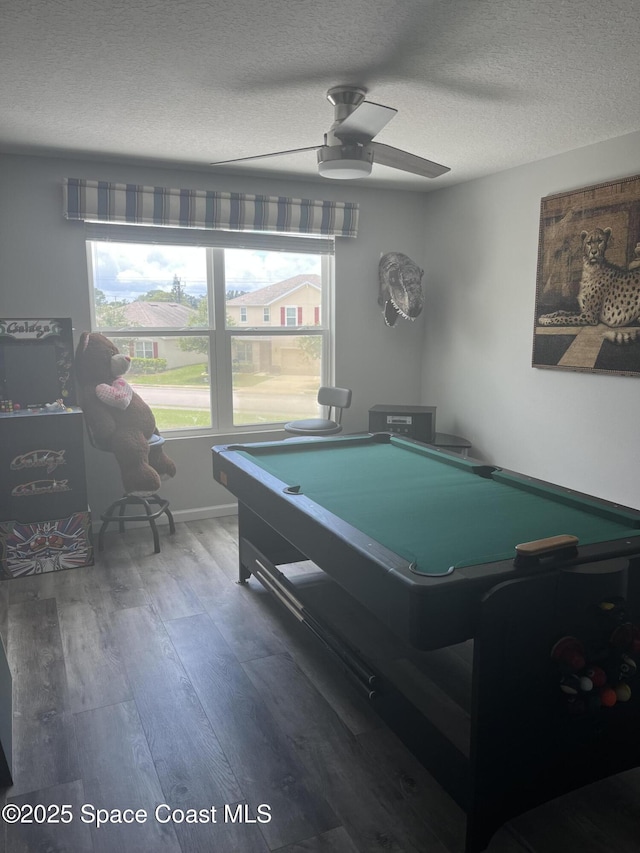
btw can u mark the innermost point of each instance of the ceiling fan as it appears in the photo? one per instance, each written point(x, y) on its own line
point(349, 151)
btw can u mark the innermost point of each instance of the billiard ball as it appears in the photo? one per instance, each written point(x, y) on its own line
point(597, 675)
point(568, 652)
point(608, 696)
point(570, 684)
point(622, 691)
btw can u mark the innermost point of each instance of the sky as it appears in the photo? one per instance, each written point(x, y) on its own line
point(126, 270)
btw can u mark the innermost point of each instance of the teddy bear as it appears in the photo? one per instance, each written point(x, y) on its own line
point(117, 418)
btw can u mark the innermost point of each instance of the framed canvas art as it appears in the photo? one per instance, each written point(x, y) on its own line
point(587, 314)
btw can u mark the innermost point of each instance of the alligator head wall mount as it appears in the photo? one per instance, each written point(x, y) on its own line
point(400, 287)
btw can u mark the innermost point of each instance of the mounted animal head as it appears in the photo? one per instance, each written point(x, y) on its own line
point(400, 282)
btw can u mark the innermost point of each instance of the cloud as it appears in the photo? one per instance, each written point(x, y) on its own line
point(125, 270)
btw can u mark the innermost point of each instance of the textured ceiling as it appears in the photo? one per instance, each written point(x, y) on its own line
point(480, 85)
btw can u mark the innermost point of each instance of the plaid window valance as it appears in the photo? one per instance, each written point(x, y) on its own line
point(101, 201)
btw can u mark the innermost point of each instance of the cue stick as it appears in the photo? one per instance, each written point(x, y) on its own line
point(276, 587)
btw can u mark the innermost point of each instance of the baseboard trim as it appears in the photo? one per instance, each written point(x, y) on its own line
point(199, 513)
point(193, 514)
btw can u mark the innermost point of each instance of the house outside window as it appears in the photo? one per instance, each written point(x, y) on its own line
point(180, 308)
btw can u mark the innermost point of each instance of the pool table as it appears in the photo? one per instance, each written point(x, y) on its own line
point(416, 535)
point(442, 550)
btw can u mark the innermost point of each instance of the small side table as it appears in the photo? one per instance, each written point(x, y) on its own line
point(455, 443)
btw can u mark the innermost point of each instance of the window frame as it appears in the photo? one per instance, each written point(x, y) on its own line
point(220, 335)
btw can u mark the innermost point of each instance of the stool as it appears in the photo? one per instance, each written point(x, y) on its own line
point(336, 399)
point(123, 517)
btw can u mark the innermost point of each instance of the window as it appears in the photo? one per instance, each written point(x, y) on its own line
point(292, 316)
point(208, 351)
point(145, 349)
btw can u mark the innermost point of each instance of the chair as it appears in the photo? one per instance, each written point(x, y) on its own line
point(117, 511)
point(336, 399)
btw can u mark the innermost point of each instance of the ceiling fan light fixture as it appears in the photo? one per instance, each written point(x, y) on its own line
point(344, 162)
point(349, 149)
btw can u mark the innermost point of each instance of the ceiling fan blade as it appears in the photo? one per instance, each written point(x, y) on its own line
point(365, 122)
point(262, 156)
point(385, 155)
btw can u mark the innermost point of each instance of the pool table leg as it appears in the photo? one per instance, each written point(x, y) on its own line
point(275, 547)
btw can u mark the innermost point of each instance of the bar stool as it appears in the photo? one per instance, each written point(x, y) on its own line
point(120, 512)
point(335, 399)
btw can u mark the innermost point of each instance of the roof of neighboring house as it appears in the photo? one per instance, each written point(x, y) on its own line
point(158, 314)
point(273, 292)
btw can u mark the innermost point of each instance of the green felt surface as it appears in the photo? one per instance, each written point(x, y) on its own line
point(431, 509)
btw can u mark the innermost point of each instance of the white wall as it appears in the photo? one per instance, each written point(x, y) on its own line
point(577, 429)
point(43, 272)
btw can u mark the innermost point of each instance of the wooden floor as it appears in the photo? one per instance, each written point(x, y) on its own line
point(155, 679)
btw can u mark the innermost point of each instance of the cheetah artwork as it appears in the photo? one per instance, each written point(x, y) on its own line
point(608, 293)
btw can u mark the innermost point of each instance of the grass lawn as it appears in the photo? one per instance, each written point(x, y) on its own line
point(193, 374)
point(181, 418)
point(190, 374)
point(197, 418)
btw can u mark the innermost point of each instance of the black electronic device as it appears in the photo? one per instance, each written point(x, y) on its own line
point(417, 422)
point(36, 362)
